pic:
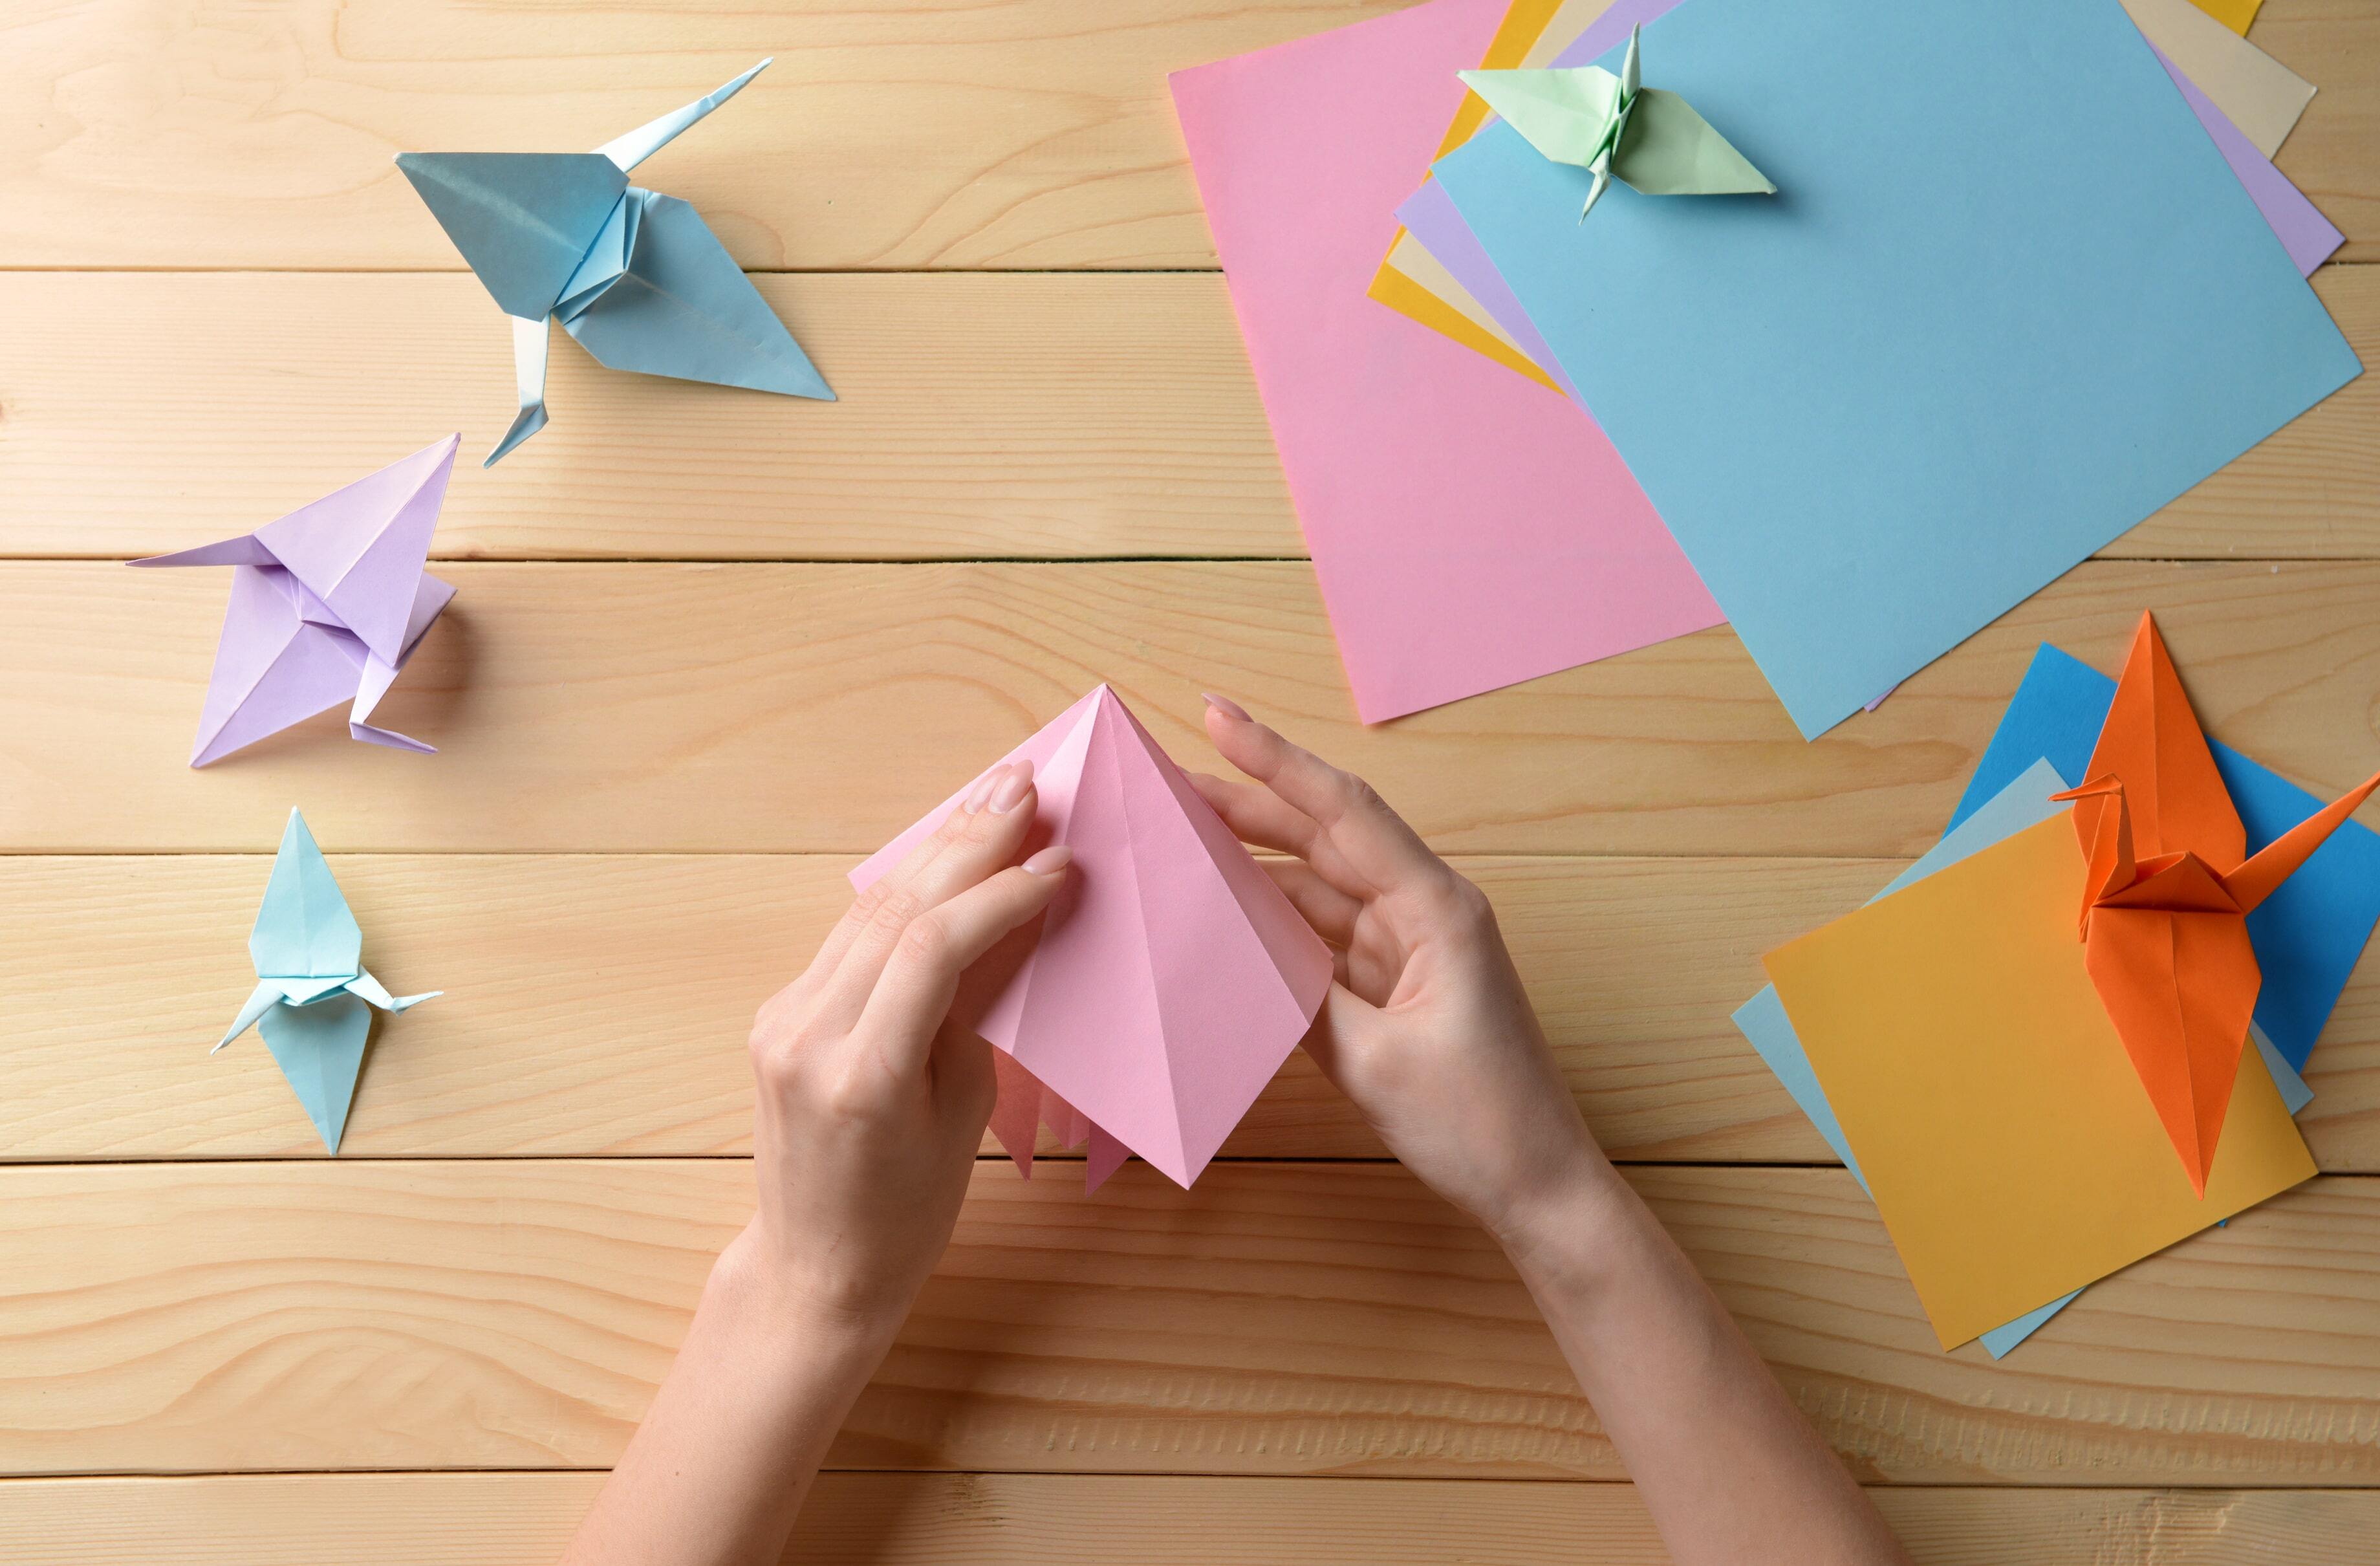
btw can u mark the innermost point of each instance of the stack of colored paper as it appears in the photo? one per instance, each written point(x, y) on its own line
point(2026, 274)
point(1983, 1070)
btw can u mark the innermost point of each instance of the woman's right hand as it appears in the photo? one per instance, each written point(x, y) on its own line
point(1428, 1030)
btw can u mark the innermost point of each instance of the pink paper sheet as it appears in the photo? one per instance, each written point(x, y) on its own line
point(1469, 528)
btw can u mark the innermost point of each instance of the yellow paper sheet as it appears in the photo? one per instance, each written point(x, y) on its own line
point(2233, 14)
point(2008, 1141)
point(1413, 283)
point(1532, 33)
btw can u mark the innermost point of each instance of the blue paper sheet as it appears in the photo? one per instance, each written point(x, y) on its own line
point(1988, 322)
point(2307, 935)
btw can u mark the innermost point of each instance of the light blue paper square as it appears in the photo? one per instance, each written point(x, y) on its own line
point(2008, 302)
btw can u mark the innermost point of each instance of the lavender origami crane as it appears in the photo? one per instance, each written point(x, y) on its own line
point(327, 604)
point(636, 276)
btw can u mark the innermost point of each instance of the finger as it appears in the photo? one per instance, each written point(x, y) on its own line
point(1375, 840)
point(899, 879)
point(1262, 818)
point(1331, 911)
point(982, 843)
point(1258, 816)
point(912, 997)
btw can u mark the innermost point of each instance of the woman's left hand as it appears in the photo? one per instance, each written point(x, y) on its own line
point(871, 1107)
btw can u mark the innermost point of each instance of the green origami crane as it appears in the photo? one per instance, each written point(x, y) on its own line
point(1611, 125)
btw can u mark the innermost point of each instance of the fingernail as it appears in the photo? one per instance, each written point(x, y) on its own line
point(1013, 789)
point(983, 787)
point(1227, 706)
point(1050, 861)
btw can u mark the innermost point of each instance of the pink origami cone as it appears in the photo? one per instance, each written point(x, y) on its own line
point(1167, 983)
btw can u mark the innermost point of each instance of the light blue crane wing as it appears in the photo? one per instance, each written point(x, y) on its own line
point(523, 220)
point(321, 1048)
point(684, 308)
point(305, 928)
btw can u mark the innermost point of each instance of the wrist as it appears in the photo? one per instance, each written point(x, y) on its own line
point(758, 1298)
point(1564, 1218)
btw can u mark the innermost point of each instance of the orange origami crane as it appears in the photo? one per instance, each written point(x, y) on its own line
point(2166, 899)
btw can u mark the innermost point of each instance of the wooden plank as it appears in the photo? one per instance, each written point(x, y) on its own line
point(2330, 45)
point(596, 1005)
point(1055, 1520)
point(905, 134)
point(516, 1313)
point(982, 415)
point(659, 708)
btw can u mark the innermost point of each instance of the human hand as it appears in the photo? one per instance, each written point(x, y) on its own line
point(1428, 1030)
point(871, 1104)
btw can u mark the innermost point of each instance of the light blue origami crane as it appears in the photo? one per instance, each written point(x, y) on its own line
point(638, 277)
point(311, 985)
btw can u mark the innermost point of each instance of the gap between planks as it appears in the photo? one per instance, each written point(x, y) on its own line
point(498, 1518)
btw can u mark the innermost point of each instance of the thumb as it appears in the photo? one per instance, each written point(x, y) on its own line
point(1337, 1042)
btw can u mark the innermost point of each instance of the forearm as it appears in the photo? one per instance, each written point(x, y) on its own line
point(734, 1437)
point(1727, 1467)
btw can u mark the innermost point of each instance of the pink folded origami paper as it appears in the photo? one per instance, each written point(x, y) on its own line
point(1165, 984)
point(327, 604)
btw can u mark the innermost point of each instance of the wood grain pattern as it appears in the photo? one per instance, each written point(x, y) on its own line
point(2328, 156)
point(218, 299)
point(983, 417)
point(1048, 1519)
point(1033, 415)
point(1277, 1319)
point(596, 1005)
point(657, 708)
point(907, 134)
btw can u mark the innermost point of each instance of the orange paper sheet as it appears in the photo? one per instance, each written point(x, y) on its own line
point(2234, 14)
point(1995, 1113)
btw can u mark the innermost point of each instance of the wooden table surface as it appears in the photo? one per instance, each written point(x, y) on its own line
point(711, 644)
